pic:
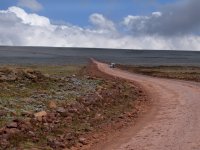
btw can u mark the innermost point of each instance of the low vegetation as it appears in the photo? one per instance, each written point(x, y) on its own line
point(173, 72)
point(56, 107)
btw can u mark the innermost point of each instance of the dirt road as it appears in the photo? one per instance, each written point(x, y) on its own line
point(172, 124)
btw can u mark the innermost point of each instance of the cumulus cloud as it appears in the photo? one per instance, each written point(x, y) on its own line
point(175, 19)
point(34, 5)
point(25, 29)
point(101, 22)
point(141, 24)
point(31, 19)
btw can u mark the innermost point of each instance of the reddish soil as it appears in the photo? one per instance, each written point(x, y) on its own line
point(126, 120)
point(172, 123)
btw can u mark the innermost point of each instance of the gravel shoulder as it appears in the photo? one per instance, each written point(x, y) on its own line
point(172, 123)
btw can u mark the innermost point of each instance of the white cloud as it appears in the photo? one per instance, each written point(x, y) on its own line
point(31, 4)
point(176, 19)
point(140, 24)
point(31, 19)
point(101, 22)
point(135, 23)
point(21, 28)
point(157, 14)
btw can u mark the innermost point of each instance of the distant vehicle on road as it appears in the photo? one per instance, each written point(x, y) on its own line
point(112, 65)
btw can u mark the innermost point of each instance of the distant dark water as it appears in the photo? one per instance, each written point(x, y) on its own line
point(45, 55)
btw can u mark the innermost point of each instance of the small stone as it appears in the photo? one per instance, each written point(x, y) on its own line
point(31, 133)
point(83, 141)
point(88, 109)
point(12, 125)
point(2, 131)
point(12, 131)
point(52, 105)
point(73, 110)
point(26, 126)
point(95, 136)
point(49, 120)
point(121, 117)
point(129, 114)
point(63, 112)
point(56, 121)
point(60, 110)
point(46, 124)
point(98, 117)
point(40, 115)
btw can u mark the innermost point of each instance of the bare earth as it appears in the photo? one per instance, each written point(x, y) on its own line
point(172, 124)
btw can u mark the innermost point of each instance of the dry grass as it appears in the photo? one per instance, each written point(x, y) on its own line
point(189, 73)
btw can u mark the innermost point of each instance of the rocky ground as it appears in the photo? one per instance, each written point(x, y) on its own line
point(61, 107)
point(189, 73)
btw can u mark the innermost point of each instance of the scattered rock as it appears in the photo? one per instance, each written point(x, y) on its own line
point(83, 141)
point(129, 114)
point(14, 74)
point(52, 105)
point(98, 117)
point(121, 116)
point(60, 110)
point(2, 131)
point(25, 125)
point(12, 131)
point(73, 110)
point(88, 109)
point(40, 115)
point(32, 134)
point(12, 125)
point(85, 111)
point(63, 112)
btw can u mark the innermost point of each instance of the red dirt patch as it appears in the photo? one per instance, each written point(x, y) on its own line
point(126, 119)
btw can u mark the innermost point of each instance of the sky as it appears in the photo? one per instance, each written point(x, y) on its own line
point(126, 24)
